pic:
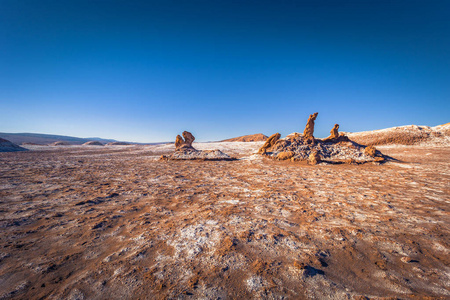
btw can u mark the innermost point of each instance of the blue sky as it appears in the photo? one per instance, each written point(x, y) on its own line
point(145, 71)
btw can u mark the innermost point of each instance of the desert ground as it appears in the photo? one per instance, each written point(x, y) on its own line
point(115, 222)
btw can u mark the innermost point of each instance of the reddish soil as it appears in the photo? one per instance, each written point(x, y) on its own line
point(116, 223)
point(259, 137)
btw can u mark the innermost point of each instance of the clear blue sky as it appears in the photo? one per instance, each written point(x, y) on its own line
point(147, 70)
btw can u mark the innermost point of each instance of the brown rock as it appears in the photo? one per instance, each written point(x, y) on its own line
point(186, 142)
point(270, 142)
point(308, 133)
point(380, 159)
point(350, 161)
point(178, 141)
point(188, 138)
point(314, 158)
point(285, 155)
point(334, 132)
point(370, 151)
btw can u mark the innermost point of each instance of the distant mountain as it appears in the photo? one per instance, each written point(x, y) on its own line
point(45, 139)
point(259, 137)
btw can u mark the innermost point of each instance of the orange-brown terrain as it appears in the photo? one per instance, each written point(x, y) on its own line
point(259, 137)
point(115, 222)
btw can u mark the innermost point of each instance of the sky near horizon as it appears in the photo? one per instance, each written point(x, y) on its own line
point(145, 71)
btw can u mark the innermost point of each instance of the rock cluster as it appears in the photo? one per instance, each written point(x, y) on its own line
point(185, 151)
point(335, 148)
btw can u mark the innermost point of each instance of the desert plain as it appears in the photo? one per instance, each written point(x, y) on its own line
point(116, 222)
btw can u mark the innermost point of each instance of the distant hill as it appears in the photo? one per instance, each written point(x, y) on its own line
point(45, 139)
point(259, 137)
point(7, 146)
point(404, 135)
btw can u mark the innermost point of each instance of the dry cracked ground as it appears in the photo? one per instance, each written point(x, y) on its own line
point(116, 223)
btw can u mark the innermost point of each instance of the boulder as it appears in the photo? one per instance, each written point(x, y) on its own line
point(185, 151)
point(370, 151)
point(285, 155)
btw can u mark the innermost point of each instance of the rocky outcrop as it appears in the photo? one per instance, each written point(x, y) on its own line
point(269, 143)
point(334, 149)
point(334, 134)
point(186, 142)
point(308, 133)
point(185, 151)
point(7, 146)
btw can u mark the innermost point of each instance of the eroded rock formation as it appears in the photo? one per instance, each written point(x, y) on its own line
point(337, 148)
point(269, 143)
point(181, 143)
point(308, 133)
point(185, 151)
point(334, 134)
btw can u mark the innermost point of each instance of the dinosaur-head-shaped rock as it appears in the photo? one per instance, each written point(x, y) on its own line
point(185, 143)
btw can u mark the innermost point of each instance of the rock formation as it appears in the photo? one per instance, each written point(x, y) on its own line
point(269, 143)
point(185, 151)
point(181, 143)
point(335, 136)
point(308, 133)
point(337, 148)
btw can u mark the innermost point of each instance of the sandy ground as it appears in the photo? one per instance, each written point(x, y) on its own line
point(116, 223)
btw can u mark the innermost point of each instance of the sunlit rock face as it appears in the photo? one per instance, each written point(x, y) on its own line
point(336, 148)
